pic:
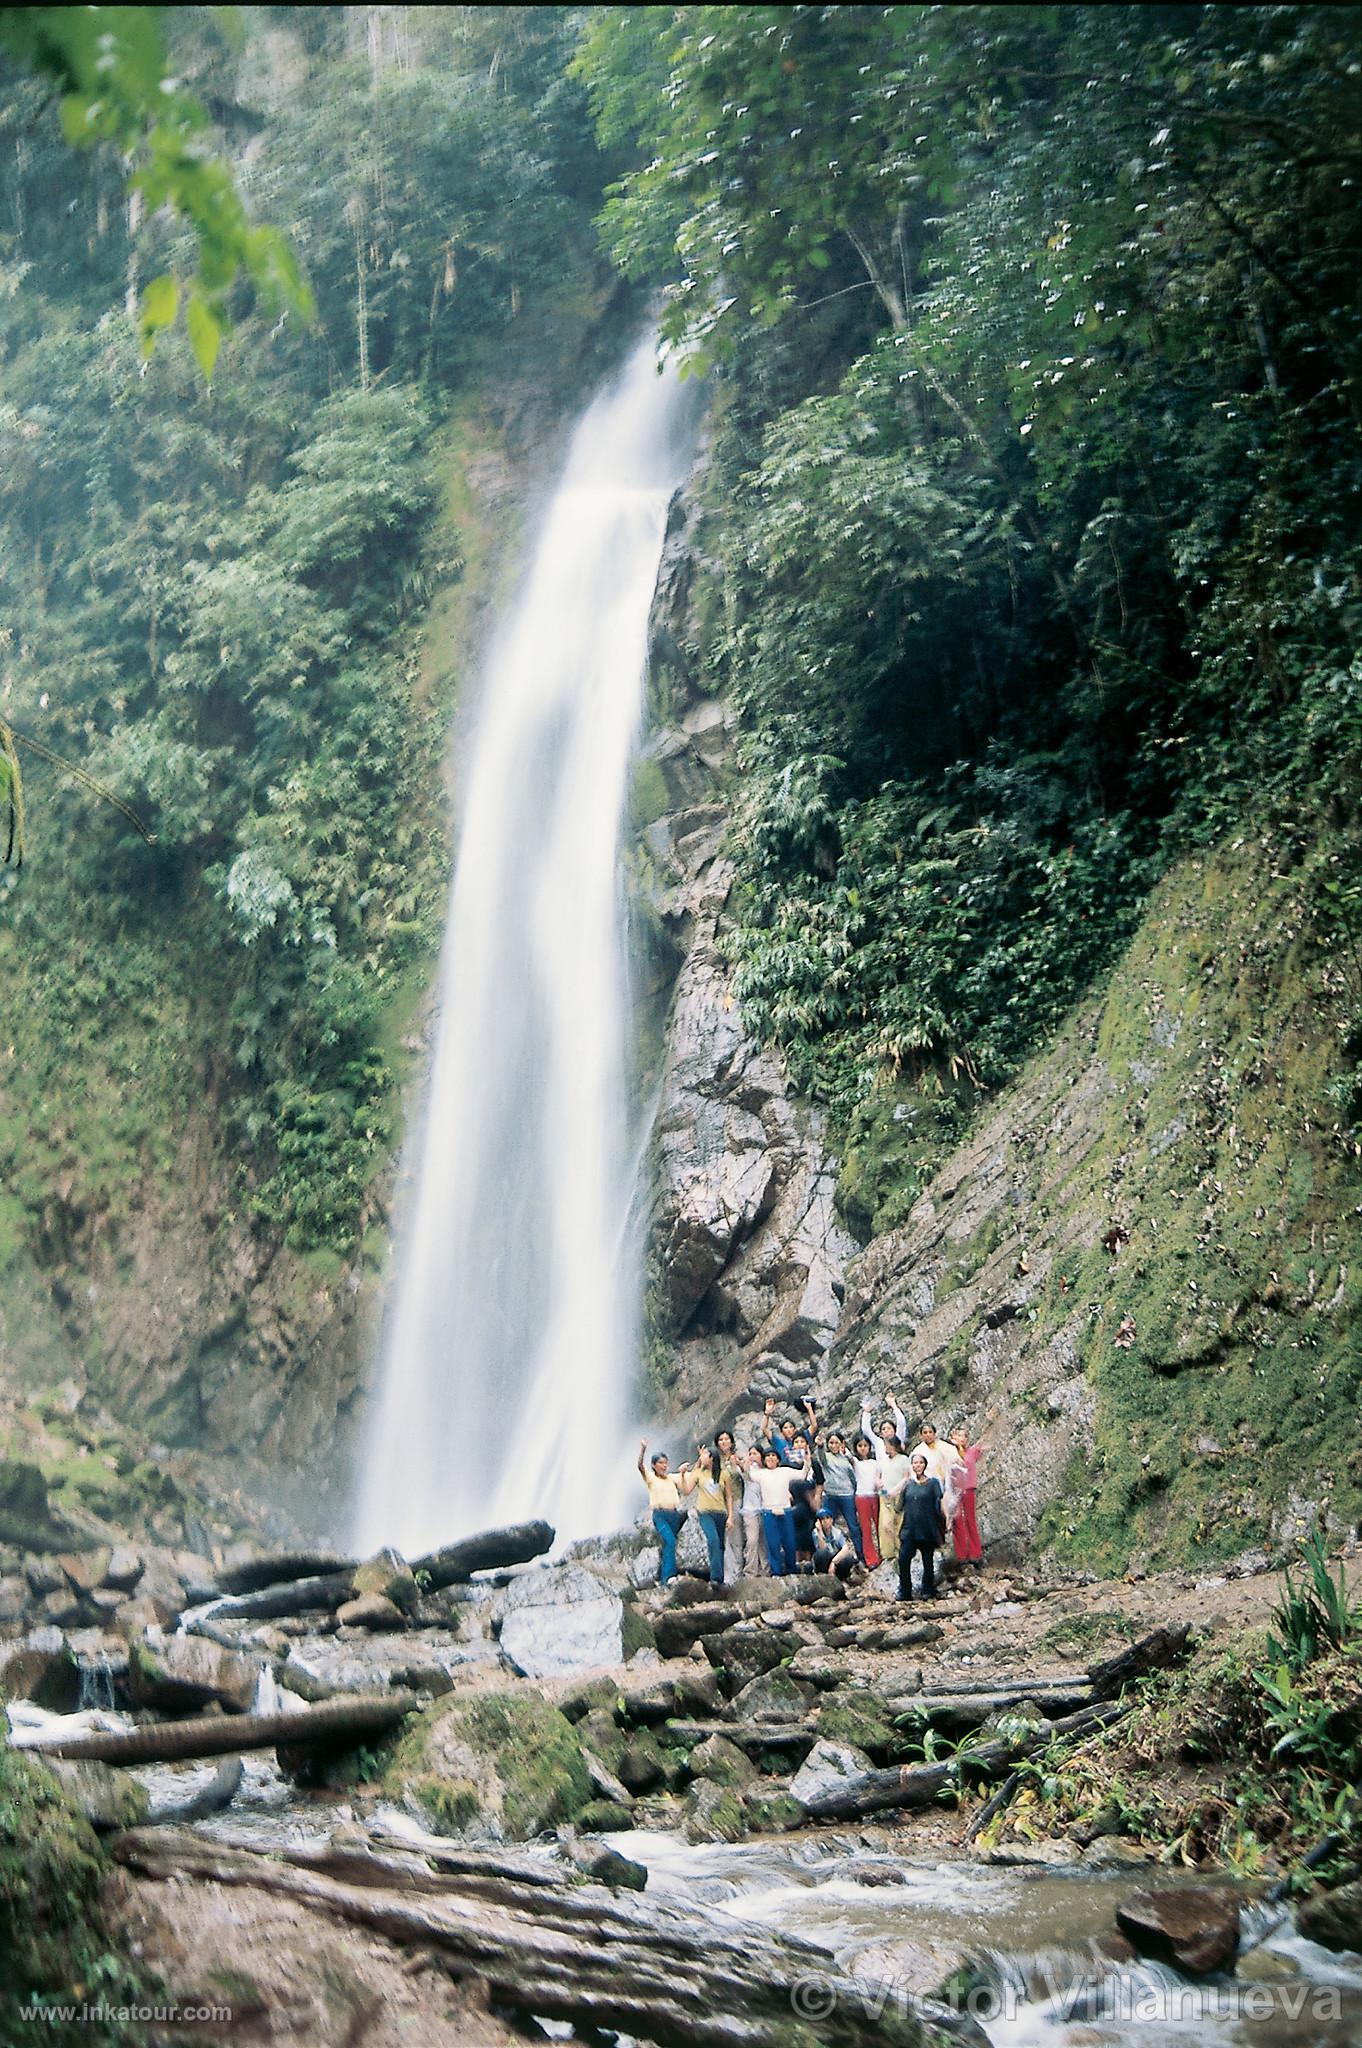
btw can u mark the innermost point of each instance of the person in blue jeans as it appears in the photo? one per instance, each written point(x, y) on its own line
point(710, 1484)
point(839, 1487)
point(777, 1516)
point(664, 1498)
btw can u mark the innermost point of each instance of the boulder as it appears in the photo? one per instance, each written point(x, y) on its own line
point(181, 1673)
point(109, 1798)
point(1334, 1919)
point(372, 1611)
point(605, 1865)
point(318, 1667)
point(774, 1696)
point(387, 1577)
point(722, 1762)
point(41, 1667)
point(641, 1764)
point(746, 1652)
point(678, 1629)
point(13, 1597)
point(828, 1767)
point(770, 1809)
point(604, 1817)
point(559, 1620)
point(495, 1766)
point(27, 1516)
point(84, 1570)
point(1194, 1927)
point(690, 1690)
point(714, 1813)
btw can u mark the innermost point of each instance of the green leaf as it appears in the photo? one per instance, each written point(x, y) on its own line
point(205, 334)
point(160, 304)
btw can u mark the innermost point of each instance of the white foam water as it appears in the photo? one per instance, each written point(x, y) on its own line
point(506, 1377)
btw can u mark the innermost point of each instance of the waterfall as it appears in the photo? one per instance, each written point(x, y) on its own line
point(505, 1384)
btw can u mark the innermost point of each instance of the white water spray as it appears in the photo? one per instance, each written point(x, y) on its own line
point(505, 1390)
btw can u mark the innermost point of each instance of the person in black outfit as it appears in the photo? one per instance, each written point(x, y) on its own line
point(923, 1527)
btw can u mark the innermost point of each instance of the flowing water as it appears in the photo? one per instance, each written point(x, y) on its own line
point(505, 1385)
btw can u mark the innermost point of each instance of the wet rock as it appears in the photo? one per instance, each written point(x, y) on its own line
point(714, 1813)
point(41, 1667)
point(1194, 1927)
point(181, 1673)
point(14, 1597)
point(559, 1620)
point(372, 1611)
point(1334, 1919)
point(605, 1866)
point(828, 1767)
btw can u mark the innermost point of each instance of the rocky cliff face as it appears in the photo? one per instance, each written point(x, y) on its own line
point(747, 1254)
point(1140, 1278)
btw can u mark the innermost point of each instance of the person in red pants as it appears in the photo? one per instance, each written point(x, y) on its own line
point(866, 1467)
point(964, 1484)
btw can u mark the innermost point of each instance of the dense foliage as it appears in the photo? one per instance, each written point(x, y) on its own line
point(1036, 483)
point(211, 593)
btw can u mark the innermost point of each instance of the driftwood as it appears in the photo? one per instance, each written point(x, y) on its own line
point(488, 1552)
point(786, 1737)
point(220, 1791)
point(335, 1722)
point(954, 1713)
point(662, 1971)
point(919, 1784)
point(1151, 1653)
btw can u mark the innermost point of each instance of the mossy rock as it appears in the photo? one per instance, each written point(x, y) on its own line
point(502, 1766)
point(866, 1722)
point(896, 1139)
point(636, 1631)
point(604, 1817)
point(52, 1931)
point(714, 1813)
point(26, 1516)
point(770, 1809)
point(721, 1762)
point(601, 1733)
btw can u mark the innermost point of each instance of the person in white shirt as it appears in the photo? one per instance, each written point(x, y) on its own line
point(777, 1514)
point(866, 1467)
point(895, 1472)
point(756, 1563)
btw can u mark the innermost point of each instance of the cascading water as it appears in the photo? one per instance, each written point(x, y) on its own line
point(505, 1382)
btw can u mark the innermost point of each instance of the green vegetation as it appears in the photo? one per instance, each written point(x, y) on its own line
point(1034, 333)
point(1247, 1758)
point(214, 594)
point(502, 1764)
point(53, 1935)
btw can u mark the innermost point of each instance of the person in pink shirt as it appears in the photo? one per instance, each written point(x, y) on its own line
point(964, 1484)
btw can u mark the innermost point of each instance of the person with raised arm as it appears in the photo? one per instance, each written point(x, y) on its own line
point(777, 1516)
point(664, 1498)
point(708, 1481)
point(865, 1468)
point(895, 1474)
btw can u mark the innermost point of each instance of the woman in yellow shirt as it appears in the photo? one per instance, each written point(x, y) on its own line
point(664, 1498)
point(713, 1490)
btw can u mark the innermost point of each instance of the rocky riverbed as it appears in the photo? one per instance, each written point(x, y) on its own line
point(575, 1707)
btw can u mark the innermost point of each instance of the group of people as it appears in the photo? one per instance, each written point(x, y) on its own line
point(799, 1499)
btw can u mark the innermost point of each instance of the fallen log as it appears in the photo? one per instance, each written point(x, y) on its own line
point(333, 1723)
point(783, 1737)
point(220, 1791)
point(283, 1568)
point(955, 1713)
point(303, 1596)
point(919, 1784)
point(659, 1970)
point(486, 1552)
point(1163, 1646)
